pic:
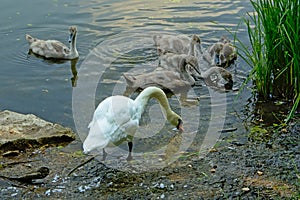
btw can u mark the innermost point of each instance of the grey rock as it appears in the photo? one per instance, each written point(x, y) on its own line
point(23, 131)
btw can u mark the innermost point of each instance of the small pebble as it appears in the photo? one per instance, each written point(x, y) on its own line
point(213, 170)
point(56, 178)
point(110, 184)
point(48, 192)
point(213, 150)
point(259, 173)
point(284, 130)
point(246, 189)
point(11, 153)
point(14, 194)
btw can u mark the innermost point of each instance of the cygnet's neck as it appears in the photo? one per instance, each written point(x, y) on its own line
point(191, 48)
point(210, 71)
point(185, 73)
point(73, 49)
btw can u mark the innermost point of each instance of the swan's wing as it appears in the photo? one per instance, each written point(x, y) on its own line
point(95, 138)
point(100, 128)
point(113, 120)
point(122, 115)
point(49, 48)
point(160, 77)
point(171, 43)
point(58, 46)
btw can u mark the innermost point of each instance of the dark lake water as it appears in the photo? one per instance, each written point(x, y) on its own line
point(32, 85)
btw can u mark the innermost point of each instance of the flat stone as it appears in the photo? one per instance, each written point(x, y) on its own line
point(11, 153)
point(23, 131)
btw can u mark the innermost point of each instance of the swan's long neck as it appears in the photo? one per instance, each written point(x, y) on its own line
point(199, 48)
point(210, 71)
point(73, 48)
point(184, 72)
point(159, 95)
point(191, 48)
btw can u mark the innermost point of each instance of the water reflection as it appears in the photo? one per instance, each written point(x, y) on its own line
point(97, 21)
point(74, 72)
point(51, 61)
point(95, 76)
point(183, 15)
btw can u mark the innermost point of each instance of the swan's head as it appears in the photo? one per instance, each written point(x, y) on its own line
point(73, 32)
point(228, 53)
point(29, 38)
point(190, 64)
point(218, 47)
point(196, 39)
point(176, 121)
point(224, 39)
point(228, 77)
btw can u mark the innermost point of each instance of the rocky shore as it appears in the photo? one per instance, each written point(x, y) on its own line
point(235, 169)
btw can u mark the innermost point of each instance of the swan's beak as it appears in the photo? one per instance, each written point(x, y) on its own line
point(229, 85)
point(70, 37)
point(196, 69)
point(217, 59)
point(180, 125)
point(199, 73)
point(180, 128)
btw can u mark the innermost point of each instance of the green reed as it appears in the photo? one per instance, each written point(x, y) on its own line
point(274, 53)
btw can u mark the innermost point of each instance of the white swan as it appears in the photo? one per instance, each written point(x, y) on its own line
point(179, 44)
point(117, 117)
point(54, 48)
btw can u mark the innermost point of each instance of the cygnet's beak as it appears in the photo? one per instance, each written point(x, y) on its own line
point(196, 69)
point(70, 38)
point(217, 60)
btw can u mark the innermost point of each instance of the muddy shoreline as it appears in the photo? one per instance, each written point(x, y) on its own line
point(235, 169)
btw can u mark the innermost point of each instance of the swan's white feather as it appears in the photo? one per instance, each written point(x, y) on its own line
point(114, 119)
point(117, 117)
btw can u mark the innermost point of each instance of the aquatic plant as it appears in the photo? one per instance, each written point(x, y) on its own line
point(274, 53)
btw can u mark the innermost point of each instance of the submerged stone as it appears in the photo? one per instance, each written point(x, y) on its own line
point(23, 131)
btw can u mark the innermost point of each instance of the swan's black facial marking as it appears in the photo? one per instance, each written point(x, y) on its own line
point(198, 40)
point(229, 85)
point(70, 37)
point(180, 125)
